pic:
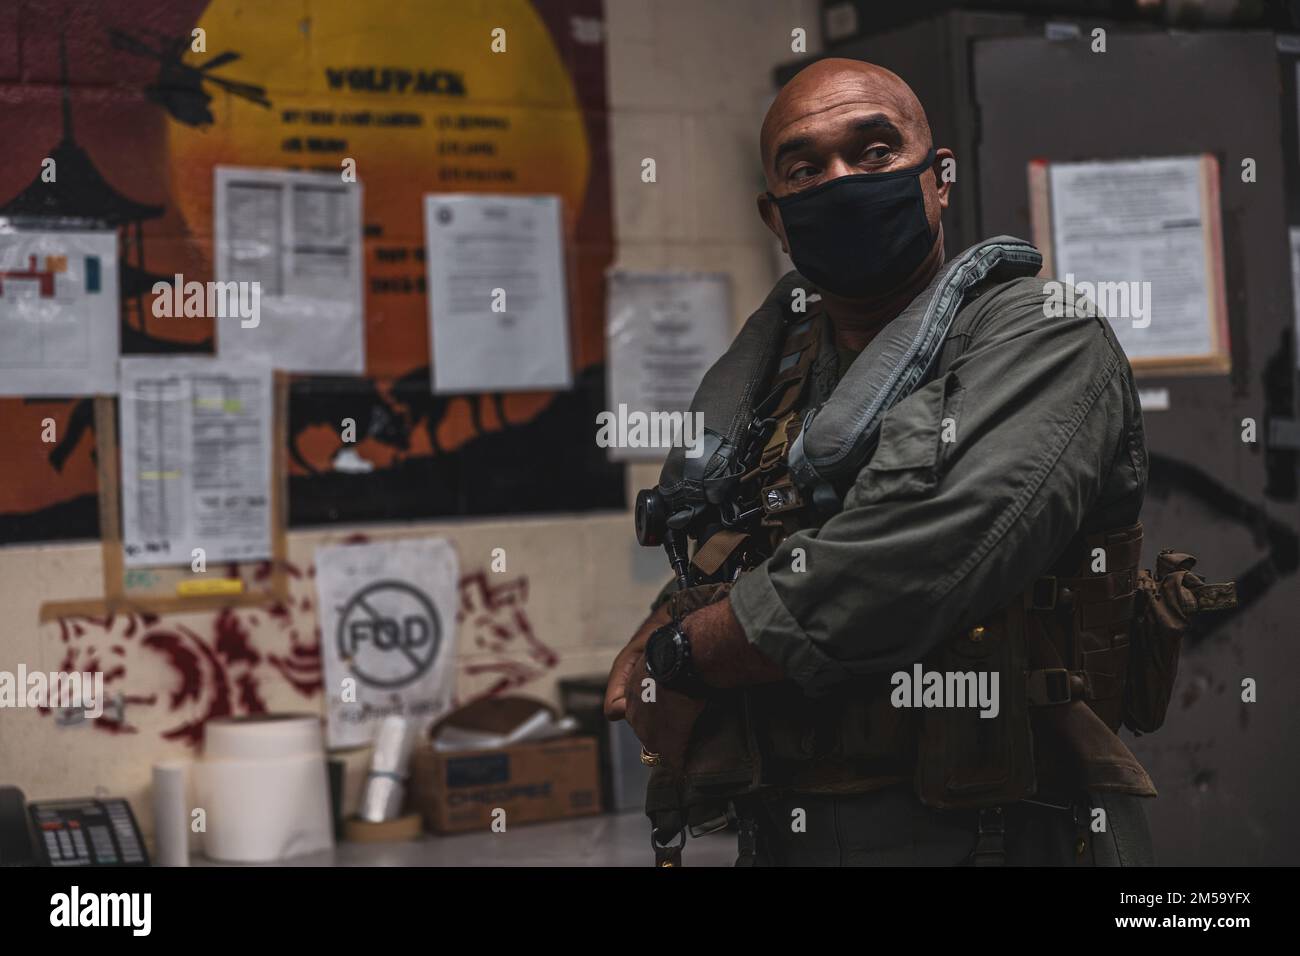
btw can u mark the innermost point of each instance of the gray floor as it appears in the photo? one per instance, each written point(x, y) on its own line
point(607, 840)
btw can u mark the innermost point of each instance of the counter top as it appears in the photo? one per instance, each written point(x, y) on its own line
point(609, 839)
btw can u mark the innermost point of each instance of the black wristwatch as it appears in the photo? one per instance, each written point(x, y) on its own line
point(668, 659)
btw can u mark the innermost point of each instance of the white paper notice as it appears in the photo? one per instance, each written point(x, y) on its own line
point(1154, 399)
point(196, 460)
point(298, 236)
point(665, 330)
point(498, 309)
point(388, 626)
point(1140, 221)
point(58, 312)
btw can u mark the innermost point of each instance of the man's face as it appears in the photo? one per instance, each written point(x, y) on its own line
point(840, 121)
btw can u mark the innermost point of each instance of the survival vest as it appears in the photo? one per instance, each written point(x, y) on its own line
point(1077, 654)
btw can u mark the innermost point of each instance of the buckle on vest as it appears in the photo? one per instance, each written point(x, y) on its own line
point(1042, 594)
point(714, 825)
point(669, 853)
point(1048, 686)
point(989, 850)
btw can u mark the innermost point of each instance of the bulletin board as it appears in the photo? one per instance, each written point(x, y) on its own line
point(412, 94)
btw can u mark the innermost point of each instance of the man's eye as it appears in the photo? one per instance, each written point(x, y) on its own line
point(802, 172)
point(878, 154)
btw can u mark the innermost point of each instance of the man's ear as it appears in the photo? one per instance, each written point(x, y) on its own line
point(944, 159)
point(771, 217)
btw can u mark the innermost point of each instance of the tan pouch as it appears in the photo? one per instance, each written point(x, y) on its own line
point(1091, 754)
point(1167, 602)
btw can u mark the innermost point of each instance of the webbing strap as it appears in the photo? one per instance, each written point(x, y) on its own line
point(773, 455)
point(715, 552)
point(802, 335)
point(663, 805)
point(1103, 602)
point(779, 496)
point(805, 345)
point(1104, 614)
point(1122, 546)
point(1101, 587)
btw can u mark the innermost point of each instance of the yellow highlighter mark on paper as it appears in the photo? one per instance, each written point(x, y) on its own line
point(203, 587)
point(233, 405)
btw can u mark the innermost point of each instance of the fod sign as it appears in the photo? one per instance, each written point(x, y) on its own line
point(389, 633)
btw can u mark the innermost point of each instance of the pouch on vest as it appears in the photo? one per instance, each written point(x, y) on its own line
point(854, 733)
point(1167, 602)
point(963, 759)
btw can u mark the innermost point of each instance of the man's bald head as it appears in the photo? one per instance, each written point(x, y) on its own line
point(839, 95)
point(838, 118)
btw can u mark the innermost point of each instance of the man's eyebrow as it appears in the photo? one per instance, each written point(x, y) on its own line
point(876, 122)
point(789, 146)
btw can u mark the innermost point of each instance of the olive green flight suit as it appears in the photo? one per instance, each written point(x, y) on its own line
point(1028, 432)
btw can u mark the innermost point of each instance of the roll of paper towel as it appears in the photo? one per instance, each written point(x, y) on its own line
point(263, 786)
point(270, 735)
point(171, 813)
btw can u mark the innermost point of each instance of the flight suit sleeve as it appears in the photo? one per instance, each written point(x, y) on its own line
point(664, 594)
point(979, 481)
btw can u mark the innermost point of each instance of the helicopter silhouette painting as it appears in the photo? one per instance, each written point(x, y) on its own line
point(179, 87)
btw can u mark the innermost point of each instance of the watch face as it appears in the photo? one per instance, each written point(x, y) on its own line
point(661, 652)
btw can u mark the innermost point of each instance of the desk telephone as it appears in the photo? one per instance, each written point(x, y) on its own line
point(87, 832)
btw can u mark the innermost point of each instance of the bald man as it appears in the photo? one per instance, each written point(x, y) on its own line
point(1019, 447)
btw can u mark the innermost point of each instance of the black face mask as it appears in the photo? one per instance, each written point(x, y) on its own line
point(859, 236)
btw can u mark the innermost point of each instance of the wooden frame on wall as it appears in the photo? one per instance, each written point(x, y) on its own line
point(178, 590)
point(1218, 359)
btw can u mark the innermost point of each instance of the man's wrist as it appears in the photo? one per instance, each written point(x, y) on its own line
point(669, 660)
point(721, 653)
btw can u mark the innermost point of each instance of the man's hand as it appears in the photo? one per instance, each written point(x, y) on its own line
point(664, 723)
point(627, 659)
point(719, 651)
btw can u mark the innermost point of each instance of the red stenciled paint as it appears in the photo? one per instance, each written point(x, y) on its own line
point(249, 699)
point(186, 658)
point(302, 666)
point(219, 665)
point(492, 616)
point(233, 639)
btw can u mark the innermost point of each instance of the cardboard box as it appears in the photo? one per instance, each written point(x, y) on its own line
point(546, 780)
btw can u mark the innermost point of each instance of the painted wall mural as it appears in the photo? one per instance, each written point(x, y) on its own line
point(136, 121)
point(204, 666)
